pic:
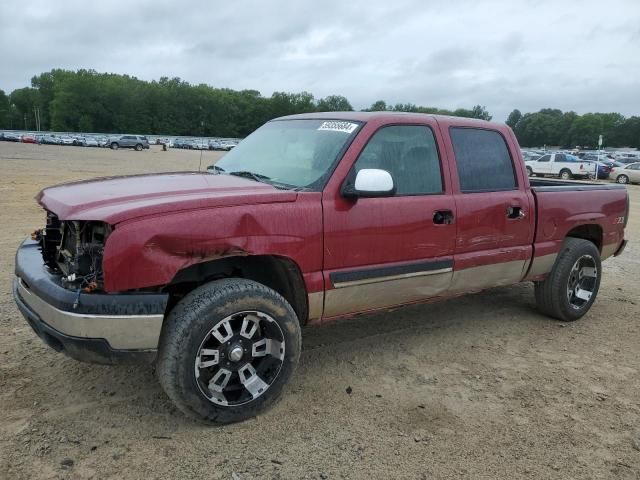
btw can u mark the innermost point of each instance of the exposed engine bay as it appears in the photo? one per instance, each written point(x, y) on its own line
point(74, 249)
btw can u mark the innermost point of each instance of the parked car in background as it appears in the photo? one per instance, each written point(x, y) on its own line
point(136, 142)
point(530, 155)
point(215, 145)
point(627, 157)
point(200, 144)
point(65, 140)
point(560, 165)
point(28, 138)
point(50, 140)
point(11, 137)
point(603, 168)
point(91, 142)
point(180, 143)
point(627, 174)
point(227, 145)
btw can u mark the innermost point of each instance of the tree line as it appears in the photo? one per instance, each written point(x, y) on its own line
point(89, 101)
point(568, 129)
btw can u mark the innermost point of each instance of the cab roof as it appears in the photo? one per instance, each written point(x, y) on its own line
point(385, 117)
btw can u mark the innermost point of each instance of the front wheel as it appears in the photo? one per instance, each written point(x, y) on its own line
point(622, 179)
point(114, 146)
point(227, 350)
point(572, 286)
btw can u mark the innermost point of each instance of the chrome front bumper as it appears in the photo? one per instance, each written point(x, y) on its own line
point(101, 328)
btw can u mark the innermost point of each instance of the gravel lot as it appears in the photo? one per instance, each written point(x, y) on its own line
point(475, 387)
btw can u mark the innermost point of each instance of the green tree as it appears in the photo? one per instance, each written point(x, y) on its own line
point(334, 103)
point(379, 106)
point(5, 110)
point(513, 118)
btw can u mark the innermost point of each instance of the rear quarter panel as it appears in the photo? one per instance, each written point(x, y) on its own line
point(560, 212)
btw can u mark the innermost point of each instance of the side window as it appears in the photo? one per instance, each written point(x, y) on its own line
point(544, 158)
point(483, 160)
point(409, 154)
point(560, 158)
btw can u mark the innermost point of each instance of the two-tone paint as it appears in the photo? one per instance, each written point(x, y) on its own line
point(354, 255)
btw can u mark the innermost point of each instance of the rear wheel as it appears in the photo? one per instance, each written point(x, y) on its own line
point(138, 147)
point(622, 179)
point(227, 350)
point(572, 286)
point(114, 146)
point(565, 174)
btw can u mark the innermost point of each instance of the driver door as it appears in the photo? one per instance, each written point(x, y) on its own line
point(381, 252)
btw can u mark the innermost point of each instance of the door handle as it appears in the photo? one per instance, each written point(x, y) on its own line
point(515, 212)
point(443, 217)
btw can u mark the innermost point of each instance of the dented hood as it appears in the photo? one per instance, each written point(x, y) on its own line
point(116, 199)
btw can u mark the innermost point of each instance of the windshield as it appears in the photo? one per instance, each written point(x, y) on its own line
point(296, 153)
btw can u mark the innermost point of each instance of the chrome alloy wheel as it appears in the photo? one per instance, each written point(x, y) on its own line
point(582, 281)
point(239, 358)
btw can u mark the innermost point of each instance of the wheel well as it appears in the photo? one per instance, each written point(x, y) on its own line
point(593, 233)
point(279, 273)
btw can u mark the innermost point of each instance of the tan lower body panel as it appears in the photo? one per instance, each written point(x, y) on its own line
point(316, 305)
point(487, 276)
point(609, 250)
point(542, 265)
point(396, 291)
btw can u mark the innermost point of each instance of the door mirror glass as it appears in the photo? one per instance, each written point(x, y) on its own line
point(371, 182)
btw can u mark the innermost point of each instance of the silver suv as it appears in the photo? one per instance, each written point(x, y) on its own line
point(129, 141)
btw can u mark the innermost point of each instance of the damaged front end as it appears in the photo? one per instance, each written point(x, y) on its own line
point(74, 249)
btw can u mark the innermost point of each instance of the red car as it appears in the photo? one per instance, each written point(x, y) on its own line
point(311, 218)
point(29, 139)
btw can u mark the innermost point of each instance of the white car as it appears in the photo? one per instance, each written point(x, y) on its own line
point(91, 142)
point(560, 165)
point(627, 174)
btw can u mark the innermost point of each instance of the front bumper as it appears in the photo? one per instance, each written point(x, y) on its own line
point(97, 328)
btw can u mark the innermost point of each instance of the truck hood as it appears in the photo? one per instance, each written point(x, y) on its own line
point(116, 199)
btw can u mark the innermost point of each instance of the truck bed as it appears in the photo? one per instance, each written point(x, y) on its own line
point(548, 185)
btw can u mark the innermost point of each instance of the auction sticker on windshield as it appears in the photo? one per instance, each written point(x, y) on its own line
point(346, 127)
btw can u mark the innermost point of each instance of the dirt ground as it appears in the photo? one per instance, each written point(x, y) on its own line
point(476, 387)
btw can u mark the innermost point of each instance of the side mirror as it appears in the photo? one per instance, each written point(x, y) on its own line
point(370, 182)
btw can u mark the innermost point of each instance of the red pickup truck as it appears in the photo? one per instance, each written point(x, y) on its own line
point(312, 217)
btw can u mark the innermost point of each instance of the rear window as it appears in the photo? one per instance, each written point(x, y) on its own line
point(483, 160)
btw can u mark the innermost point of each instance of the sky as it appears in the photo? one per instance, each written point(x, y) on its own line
point(573, 55)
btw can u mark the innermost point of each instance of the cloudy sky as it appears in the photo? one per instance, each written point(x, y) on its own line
point(574, 55)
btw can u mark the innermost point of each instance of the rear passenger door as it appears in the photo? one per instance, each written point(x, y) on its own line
point(494, 209)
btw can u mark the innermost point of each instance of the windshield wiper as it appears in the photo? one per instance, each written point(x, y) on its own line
point(215, 169)
point(254, 176)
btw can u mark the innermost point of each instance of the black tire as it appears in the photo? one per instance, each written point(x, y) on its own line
point(565, 174)
point(138, 147)
point(114, 146)
point(529, 171)
point(552, 294)
point(622, 179)
point(192, 322)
